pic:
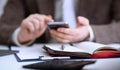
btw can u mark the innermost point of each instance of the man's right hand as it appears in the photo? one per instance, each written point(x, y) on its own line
point(33, 27)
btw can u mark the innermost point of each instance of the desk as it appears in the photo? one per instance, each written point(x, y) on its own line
point(9, 62)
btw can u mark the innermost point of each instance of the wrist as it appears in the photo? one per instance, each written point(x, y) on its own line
point(21, 38)
point(17, 42)
point(90, 35)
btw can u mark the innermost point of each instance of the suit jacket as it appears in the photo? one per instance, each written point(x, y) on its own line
point(99, 12)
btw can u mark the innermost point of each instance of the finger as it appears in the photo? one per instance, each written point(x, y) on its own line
point(29, 26)
point(43, 26)
point(59, 39)
point(71, 34)
point(43, 20)
point(35, 22)
point(50, 16)
point(48, 19)
point(67, 31)
point(60, 35)
point(82, 20)
point(62, 40)
point(41, 17)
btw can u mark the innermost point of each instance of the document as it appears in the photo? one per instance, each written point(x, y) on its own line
point(34, 52)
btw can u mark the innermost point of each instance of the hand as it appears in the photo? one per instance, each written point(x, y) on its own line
point(67, 35)
point(33, 27)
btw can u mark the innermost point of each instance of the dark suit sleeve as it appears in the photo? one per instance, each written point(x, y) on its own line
point(109, 33)
point(116, 10)
point(10, 20)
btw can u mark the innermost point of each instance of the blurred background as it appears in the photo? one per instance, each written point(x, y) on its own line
point(2, 4)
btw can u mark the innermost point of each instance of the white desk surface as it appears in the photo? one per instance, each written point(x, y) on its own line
point(9, 62)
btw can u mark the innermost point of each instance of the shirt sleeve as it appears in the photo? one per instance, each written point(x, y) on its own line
point(91, 34)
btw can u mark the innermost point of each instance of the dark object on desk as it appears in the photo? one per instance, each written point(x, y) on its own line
point(59, 65)
point(7, 52)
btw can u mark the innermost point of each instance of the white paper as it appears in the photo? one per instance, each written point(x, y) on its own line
point(33, 52)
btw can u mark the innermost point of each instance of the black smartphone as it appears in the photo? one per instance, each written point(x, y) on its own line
point(55, 25)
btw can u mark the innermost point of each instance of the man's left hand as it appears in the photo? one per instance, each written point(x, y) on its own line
point(69, 35)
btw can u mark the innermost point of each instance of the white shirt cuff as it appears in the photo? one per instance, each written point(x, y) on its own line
point(15, 38)
point(91, 36)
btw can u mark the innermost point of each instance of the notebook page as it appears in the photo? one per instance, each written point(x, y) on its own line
point(90, 46)
point(32, 52)
point(67, 48)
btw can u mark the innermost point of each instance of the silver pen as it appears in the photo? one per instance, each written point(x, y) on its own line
point(62, 47)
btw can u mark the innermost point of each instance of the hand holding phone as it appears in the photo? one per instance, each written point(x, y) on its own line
point(55, 25)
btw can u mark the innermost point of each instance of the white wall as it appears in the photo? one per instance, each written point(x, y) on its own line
point(2, 4)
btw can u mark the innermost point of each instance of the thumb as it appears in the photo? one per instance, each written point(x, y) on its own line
point(82, 20)
point(50, 16)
